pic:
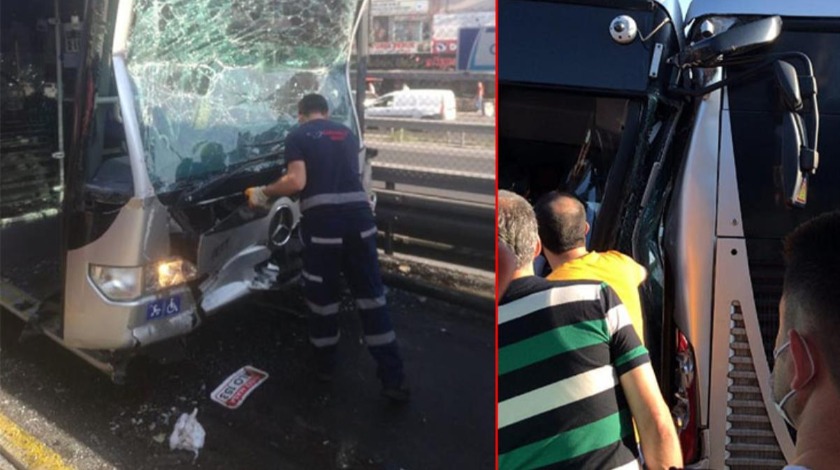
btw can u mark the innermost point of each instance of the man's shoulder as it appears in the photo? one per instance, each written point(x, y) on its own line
point(529, 295)
point(529, 285)
point(611, 266)
point(317, 125)
point(615, 256)
point(296, 132)
point(328, 124)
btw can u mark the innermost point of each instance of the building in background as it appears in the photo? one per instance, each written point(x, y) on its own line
point(422, 34)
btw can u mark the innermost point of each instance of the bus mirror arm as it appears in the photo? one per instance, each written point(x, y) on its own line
point(737, 41)
point(792, 90)
point(800, 123)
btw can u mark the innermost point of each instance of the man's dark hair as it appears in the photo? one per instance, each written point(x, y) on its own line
point(561, 218)
point(811, 290)
point(313, 103)
point(517, 227)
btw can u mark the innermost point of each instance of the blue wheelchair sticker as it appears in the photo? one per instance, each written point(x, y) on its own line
point(163, 307)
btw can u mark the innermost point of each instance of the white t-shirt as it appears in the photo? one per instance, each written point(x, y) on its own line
point(795, 467)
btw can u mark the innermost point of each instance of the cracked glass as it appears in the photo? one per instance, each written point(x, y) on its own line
point(217, 82)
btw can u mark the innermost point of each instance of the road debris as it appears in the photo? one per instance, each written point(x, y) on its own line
point(233, 391)
point(188, 434)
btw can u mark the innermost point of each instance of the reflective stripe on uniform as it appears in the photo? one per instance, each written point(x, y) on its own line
point(380, 340)
point(311, 277)
point(326, 241)
point(332, 198)
point(368, 233)
point(324, 342)
point(329, 309)
point(370, 304)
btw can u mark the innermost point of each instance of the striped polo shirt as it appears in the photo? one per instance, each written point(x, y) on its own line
point(562, 347)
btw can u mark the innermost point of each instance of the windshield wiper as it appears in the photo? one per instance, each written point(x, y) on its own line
point(188, 197)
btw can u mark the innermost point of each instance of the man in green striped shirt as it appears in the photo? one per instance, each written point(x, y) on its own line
point(572, 372)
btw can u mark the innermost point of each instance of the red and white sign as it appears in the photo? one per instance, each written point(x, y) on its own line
point(236, 388)
point(404, 47)
point(445, 46)
point(440, 62)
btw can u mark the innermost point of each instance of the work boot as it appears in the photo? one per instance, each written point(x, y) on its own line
point(397, 393)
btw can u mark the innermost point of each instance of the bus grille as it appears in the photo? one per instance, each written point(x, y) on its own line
point(750, 441)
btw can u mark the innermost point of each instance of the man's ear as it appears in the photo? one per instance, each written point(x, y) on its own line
point(586, 232)
point(538, 249)
point(804, 362)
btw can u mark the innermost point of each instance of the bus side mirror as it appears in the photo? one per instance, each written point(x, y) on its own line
point(712, 51)
point(794, 181)
point(788, 86)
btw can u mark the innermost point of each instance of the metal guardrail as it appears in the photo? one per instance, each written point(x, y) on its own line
point(394, 174)
point(439, 224)
point(445, 221)
point(431, 125)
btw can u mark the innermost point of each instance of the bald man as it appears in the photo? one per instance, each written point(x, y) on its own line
point(561, 218)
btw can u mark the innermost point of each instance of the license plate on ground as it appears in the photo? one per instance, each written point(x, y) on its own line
point(164, 307)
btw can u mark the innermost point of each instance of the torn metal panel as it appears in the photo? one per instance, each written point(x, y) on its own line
point(233, 280)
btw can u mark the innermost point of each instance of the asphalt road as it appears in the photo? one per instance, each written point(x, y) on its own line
point(291, 421)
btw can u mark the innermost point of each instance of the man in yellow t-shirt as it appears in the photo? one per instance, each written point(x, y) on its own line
point(562, 229)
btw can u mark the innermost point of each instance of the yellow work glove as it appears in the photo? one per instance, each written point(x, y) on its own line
point(257, 197)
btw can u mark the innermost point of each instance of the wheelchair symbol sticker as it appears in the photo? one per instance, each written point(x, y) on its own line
point(163, 308)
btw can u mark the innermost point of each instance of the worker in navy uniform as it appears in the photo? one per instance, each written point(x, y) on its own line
point(339, 234)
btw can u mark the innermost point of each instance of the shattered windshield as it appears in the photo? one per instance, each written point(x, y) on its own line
point(217, 81)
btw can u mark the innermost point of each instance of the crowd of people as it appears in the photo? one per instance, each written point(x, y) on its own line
point(575, 385)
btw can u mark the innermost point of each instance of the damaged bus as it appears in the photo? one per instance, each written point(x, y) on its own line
point(130, 129)
point(695, 142)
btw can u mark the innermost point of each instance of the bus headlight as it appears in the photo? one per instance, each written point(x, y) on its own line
point(169, 273)
point(118, 283)
point(129, 283)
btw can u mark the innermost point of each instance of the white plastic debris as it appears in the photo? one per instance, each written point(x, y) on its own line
point(188, 433)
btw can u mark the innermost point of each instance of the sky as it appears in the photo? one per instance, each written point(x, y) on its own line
point(684, 5)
